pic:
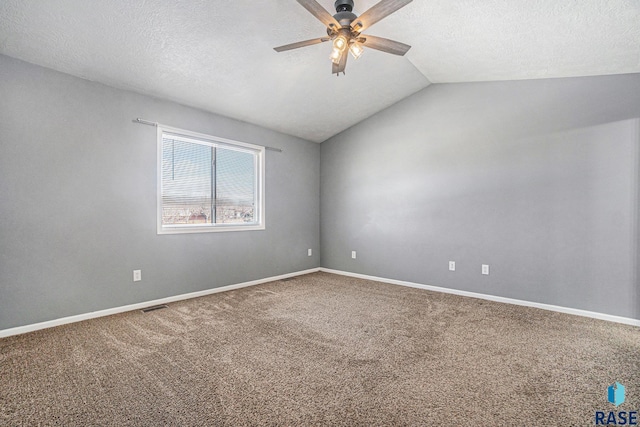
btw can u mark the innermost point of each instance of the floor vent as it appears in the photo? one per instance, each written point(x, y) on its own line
point(153, 308)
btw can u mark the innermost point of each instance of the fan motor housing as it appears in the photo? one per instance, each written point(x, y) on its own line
point(344, 15)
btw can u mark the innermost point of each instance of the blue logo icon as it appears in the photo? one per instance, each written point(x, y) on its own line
point(615, 394)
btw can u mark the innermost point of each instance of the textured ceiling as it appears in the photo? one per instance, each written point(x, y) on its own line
point(218, 56)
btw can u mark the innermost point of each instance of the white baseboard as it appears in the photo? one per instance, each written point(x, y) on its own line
point(138, 306)
point(574, 311)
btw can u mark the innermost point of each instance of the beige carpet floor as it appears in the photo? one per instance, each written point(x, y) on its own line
point(321, 349)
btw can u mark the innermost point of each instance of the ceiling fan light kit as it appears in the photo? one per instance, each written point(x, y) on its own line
point(345, 28)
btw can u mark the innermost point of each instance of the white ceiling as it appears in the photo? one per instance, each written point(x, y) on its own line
point(217, 55)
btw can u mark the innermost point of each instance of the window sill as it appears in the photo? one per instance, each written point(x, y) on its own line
point(190, 229)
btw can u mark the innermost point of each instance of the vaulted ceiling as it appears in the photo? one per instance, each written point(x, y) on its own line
point(218, 55)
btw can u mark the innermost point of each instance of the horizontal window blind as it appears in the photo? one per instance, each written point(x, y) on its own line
point(187, 195)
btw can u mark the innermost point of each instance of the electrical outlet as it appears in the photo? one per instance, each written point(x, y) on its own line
point(137, 275)
point(452, 266)
point(309, 252)
point(485, 269)
point(353, 254)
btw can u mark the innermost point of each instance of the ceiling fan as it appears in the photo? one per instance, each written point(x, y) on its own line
point(345, 30)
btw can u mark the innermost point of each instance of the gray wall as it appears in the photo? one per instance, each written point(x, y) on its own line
point(78, 201)
point(538, 179)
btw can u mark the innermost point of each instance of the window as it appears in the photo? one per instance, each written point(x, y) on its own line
point(208, 184)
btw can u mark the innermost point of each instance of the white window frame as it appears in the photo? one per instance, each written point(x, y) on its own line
point(213, 141)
